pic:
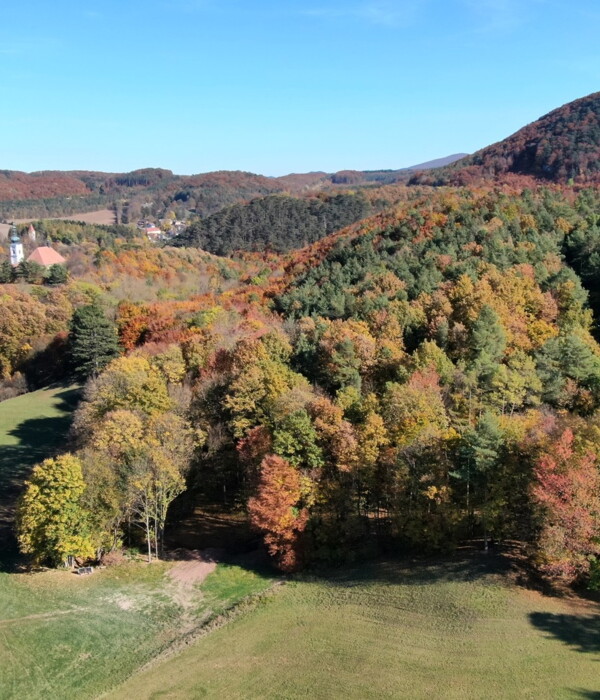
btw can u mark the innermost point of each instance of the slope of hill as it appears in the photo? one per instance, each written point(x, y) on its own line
point(16, 185)
point(563, 145)
point(276, 223)
point(391, 630)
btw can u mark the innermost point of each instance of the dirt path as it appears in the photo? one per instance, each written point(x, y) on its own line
point(188, 573)
point(193, 566)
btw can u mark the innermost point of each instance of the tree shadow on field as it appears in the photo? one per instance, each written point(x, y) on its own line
point(587, 694)
point(580, 632)
point(39, 438)
point(467, 563)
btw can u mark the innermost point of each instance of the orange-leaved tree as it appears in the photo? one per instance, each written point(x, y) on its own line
point(276, 510)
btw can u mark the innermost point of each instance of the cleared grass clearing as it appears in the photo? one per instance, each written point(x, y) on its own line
point(66, 636)
point(62, 635)
point(388, 630)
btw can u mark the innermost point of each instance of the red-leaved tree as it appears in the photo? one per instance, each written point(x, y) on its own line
point(275, 510)
point(567, 489)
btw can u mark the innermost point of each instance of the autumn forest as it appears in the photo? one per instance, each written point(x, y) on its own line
point(355, 366)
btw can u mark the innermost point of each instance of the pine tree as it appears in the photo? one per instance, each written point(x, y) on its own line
point(57, 274)
point(6, 272)
point(93, 341)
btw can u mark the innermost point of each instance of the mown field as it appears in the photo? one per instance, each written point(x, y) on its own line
point(392, 630)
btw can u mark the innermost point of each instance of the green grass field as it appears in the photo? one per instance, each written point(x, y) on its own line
point(387, 630)
point(67, 636)
point(32, 427)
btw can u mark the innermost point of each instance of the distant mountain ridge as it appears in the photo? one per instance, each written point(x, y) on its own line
point(16, 185)
point(561, 146)
point(438, 162)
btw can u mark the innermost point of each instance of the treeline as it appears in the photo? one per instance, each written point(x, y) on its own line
point(276, 223)
point(69, 232)
point(432, 377)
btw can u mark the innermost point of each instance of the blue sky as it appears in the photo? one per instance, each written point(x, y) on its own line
point(281, 86)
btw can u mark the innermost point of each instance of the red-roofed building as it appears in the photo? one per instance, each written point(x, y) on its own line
point(46, 257)
point(154, 233)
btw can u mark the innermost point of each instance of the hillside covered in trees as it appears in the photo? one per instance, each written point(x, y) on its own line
point(155, 190)
point(395, 368)
point(425, 376)
point(277, 223)
point(561, 146)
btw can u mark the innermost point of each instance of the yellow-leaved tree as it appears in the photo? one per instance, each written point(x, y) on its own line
point(52, 523)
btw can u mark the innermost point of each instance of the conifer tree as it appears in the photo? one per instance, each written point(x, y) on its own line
point(93, 341)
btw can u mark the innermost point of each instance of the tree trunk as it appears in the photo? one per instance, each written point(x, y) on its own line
point(148, 539)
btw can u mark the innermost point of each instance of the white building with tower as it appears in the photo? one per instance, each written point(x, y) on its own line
point(16, 247)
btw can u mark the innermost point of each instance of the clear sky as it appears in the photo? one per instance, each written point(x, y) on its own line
point(278, 86)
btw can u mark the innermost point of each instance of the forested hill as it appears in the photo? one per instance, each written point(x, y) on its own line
point(155, 190)
point(50, 193)
point(563, 145)
point(277, 223)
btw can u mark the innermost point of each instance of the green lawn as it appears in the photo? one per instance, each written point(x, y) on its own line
point(32, 427)
point(445, 630)
point(67, 636)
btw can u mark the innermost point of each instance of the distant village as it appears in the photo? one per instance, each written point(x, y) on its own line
point(169, 228)
point(46, 256)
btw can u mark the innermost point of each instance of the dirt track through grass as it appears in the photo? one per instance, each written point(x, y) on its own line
point(66, 636)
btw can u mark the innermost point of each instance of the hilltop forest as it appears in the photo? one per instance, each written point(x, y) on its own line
point(392, 367)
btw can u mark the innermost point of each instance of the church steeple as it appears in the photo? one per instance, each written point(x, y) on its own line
point(16, 247)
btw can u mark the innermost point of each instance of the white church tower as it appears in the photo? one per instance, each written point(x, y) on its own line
point(16, 247)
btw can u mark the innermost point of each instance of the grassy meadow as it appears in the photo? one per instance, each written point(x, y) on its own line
point(32, 427)
point(389, 630)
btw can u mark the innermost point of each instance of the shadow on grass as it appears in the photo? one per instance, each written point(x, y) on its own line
point(588, 694)
point(580, 632)
point(39, 438)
